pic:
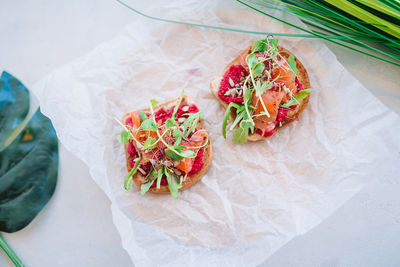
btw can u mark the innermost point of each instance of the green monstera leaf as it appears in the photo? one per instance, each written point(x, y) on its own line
point(14, 105)
point(28, 160)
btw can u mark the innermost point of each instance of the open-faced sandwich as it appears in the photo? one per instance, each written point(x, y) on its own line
point(166, 146)
point(263, 89)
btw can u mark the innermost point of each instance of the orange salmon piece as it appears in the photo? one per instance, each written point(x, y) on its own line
point(286, 77)
point(197, 139)
point(271, 100)
point(135, 119)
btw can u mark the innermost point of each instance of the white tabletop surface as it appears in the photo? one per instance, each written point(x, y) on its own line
point(76, 229)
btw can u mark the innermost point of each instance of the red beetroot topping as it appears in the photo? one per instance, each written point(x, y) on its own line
point(299, 85)
point(132, 150)
point(282, 113)
point(191, 109)
point(132, 162)
point(128, 121)
point(235, 73)
point(163, 114)
point(198, 162)
point(164, 181)
point(266, 134)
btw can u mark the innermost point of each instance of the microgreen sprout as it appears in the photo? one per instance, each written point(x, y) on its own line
point(173, 139)
point(262, 64)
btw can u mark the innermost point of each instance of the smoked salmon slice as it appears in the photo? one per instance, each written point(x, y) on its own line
point(196, 140)
point(285, 77)
point(271, 100)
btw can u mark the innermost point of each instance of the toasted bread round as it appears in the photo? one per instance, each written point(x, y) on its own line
point(139, 178)
point(292, 114)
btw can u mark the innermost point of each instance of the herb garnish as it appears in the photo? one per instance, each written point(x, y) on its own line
point(261, 62)
point(170, 135)
point(128, 180)
point(297, 98)
point(292, 64)
point(123, 137)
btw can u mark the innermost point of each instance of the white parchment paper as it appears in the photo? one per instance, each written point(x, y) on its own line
point(255, 197)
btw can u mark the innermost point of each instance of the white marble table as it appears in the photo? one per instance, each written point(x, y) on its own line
point(76, 229)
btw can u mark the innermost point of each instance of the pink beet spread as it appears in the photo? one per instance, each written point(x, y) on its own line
point(129, 122)
point(235, 73)
point(132, 150)
point(164, 181)
point(163, 114)
point(192, 109)
point(198, 162)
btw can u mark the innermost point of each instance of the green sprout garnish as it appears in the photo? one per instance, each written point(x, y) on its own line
point(258, 81)
point(170, 135)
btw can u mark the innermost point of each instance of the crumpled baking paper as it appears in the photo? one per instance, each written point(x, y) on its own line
point(255, 197)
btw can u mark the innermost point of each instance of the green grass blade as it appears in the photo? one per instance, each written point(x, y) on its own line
point(10, 253)
point(361, 28)
point(393, 4)
point(309, 12)
point(381, 7)
point(224, 28)
point(336, 26)
point(320, 35)
point(211, 26)
point(361, 32)
point(366, 16)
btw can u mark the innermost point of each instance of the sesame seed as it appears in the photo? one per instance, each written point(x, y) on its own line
point(231, 82)
point(142, 171)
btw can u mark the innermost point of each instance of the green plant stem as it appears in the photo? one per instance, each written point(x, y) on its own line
point(319, 35)
point(214, 27)
point(311, 34)
point(245, 102)
point(259, 96)
point(3, 244)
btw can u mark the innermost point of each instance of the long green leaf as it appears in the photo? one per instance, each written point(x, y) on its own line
point(211, 26)
point(28, 160)
point(28, 165)
point(380, 7)
point(337, 27)
point(321, 35)
point(360, 30)
point(366, 16)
